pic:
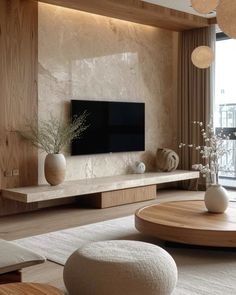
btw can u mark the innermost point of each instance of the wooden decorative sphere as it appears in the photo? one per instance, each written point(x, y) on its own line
point(202, 57)
point(204, 6)
point(166, 160)
point(226, 17)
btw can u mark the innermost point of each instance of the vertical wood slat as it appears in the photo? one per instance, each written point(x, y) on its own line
point(18, 94)
point(120, 197)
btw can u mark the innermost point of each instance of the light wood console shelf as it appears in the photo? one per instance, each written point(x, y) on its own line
point(108, 191)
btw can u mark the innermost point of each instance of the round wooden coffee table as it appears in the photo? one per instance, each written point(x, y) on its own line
point(28, 289)
point(188, 222)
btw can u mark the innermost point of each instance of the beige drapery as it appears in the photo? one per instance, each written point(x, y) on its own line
point(195, 96)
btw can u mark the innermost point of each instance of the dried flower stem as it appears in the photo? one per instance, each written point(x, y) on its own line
point(53, 135)
point(214, 149)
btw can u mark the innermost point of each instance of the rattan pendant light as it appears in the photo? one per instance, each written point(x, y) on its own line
point(202, 57)
point(204, 6)
point(226, 17)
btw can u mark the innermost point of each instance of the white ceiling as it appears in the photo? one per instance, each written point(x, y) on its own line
point(181, 5)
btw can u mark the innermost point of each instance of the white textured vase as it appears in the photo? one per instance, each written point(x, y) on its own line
point(139, 167)
point(216, 199)
point(55, 168)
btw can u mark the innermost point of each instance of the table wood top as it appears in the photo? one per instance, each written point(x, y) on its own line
point(28, 289)
point(188, 222)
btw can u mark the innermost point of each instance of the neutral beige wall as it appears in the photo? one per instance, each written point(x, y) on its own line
point(85, 56)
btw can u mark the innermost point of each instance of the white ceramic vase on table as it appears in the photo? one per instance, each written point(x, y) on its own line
point(55, 168)
point(216, 199)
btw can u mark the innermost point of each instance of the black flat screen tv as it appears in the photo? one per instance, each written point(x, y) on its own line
point(113, 127)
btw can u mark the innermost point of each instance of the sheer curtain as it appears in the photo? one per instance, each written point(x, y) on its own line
point(195, 97)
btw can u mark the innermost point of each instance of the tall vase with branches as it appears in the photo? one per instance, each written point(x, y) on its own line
point(52, 136)
point(213, 149)
point(211, 152)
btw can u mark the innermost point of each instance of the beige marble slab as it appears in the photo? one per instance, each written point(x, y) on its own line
point(92, 57)
point(94, 185)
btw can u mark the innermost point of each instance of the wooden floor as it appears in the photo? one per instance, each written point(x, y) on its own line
point(47, 220)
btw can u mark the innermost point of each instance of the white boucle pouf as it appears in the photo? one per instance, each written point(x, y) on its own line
point(120, 268)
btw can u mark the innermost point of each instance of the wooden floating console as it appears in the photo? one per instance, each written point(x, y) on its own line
point(106, 191)
point(121, 197)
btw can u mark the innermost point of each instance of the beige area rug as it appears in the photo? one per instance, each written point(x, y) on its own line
point(201, 271)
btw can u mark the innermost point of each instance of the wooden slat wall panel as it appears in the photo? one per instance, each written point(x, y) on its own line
point(18, 95)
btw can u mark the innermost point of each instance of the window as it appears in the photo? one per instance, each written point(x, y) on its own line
point(225, 103)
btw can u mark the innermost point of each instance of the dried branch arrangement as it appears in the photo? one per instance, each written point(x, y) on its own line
point(53, 135)
point(212, 151)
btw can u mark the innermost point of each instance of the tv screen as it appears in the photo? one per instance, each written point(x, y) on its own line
point(113, 127)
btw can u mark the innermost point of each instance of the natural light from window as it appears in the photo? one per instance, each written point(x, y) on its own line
point(226, 72)
point(225, 104)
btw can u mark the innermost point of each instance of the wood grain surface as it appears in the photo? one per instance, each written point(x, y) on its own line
point(18, 95)
point(137, 11)
point(188, 222)
point(121, 197)
point(28, 289)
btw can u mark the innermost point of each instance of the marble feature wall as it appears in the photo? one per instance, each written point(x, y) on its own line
point(85, 56)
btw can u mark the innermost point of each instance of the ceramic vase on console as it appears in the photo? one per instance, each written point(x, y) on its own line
point(216, 198)
point(139, 167)
point(55, 168)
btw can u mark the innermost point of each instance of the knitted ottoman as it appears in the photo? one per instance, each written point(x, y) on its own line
point(120, 268)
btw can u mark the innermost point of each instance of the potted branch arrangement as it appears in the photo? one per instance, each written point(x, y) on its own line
point(214, 148)
point(52, 136)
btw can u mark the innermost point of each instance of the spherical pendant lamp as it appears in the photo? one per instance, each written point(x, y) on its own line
point(226, 17)
point(204, 6)
point(202, 57)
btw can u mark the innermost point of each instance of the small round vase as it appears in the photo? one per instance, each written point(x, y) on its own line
point(139, 167)
point(55, 168)
point(216, 199)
